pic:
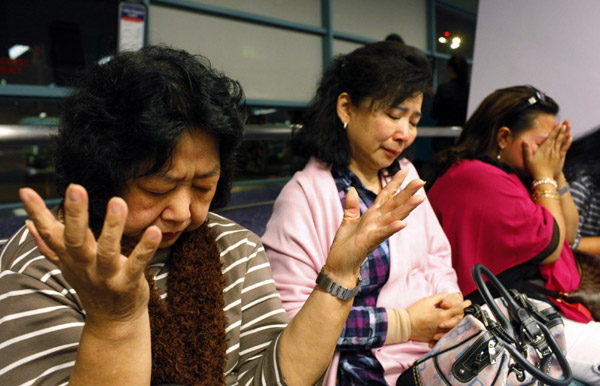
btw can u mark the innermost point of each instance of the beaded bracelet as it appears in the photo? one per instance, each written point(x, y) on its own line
point(549, 193)
point(562, 191)
point(544, 181)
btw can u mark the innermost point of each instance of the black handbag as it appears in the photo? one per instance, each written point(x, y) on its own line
point(511, 340)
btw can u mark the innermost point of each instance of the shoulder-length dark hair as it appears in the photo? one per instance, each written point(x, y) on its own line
point(384, 73)
point(127, 116)
point(584, 157)
point(515, 107)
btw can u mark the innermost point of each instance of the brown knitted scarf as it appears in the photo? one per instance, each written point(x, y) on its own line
point(188, 329)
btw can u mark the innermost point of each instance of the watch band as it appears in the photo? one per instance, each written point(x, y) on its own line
point(562, 191)
point(341, 292)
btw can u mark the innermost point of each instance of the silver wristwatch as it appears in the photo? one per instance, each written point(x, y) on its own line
point(334, 288)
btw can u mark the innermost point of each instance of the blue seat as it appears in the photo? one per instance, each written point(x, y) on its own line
point(251, 206)
point(8, 226)
point(254, 218)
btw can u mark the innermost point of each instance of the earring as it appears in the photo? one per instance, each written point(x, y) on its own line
point(500, 148)
point(345, 125)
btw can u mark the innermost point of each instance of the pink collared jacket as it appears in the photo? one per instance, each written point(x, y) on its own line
point(306, 216)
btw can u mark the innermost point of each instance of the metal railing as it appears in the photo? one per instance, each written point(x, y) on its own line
point(24, 135)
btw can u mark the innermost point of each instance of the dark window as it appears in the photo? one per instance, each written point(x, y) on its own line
point(453, 23)
point(42, 42)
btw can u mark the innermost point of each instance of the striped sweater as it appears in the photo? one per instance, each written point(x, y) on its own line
point(41, 317)
point(586, 196)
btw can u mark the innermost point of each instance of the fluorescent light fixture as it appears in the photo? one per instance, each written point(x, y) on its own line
point(263, 111)
point(105, 60)
point(17, 50)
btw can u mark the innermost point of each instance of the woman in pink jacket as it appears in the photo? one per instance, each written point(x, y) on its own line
point(364, 116)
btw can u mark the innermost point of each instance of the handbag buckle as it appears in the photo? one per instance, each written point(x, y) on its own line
point(519, 372)
point(492, 351)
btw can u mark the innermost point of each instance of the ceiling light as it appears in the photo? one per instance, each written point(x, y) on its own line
point(17, 50)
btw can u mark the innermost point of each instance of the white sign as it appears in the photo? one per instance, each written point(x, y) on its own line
point(131, 26)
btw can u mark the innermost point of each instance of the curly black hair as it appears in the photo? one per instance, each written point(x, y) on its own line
point(127, 115)
point(385, 73)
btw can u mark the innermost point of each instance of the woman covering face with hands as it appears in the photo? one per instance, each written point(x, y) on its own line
point(362, 119)
point(132, 280)
point(503, 200)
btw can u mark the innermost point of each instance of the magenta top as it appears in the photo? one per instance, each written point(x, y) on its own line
point(490, 218)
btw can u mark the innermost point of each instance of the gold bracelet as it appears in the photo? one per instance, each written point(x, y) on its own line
point(547, 193)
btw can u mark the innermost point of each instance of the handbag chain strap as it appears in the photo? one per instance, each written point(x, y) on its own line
point(526, 327)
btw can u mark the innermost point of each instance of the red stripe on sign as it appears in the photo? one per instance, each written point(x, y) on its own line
point(134, 19)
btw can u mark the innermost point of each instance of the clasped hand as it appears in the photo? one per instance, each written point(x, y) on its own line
point(433, 316)
point(111, 287)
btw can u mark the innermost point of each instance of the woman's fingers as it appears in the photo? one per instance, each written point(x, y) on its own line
point(403, 196)
point(400, 213)
point(436, 338)
point(451, 300)
point(557, 136)
point(77, 239)
point(527, 153)
point(143, 252)
point(393, 221)
point(561, 134)
point(352, 205)
point(449, 324)
point(400, 206)
point(568, 138)
point(46, 227)
point(391, 188)
point(382, 232)
point(41, 244)
point(108, 248)
point(391, 213)
point(410, 189)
